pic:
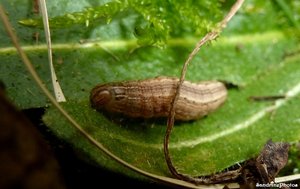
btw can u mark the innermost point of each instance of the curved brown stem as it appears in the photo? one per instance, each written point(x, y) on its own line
point(208, 37)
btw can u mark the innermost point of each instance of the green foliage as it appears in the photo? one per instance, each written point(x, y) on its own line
point(87, 16)
point(289, 13)
point(288, 16)
point(165, 19)
point(157, 20)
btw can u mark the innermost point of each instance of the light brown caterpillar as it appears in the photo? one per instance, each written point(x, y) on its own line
point(152, 98)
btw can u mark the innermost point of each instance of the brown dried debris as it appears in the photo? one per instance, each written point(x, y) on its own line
point(266, 166)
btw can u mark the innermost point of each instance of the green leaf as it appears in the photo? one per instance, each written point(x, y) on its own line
point(260, 58)
point(235, 132)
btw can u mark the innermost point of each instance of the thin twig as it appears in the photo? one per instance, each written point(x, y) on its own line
point(208, 37)
point(59, 95)
point(266, 98)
